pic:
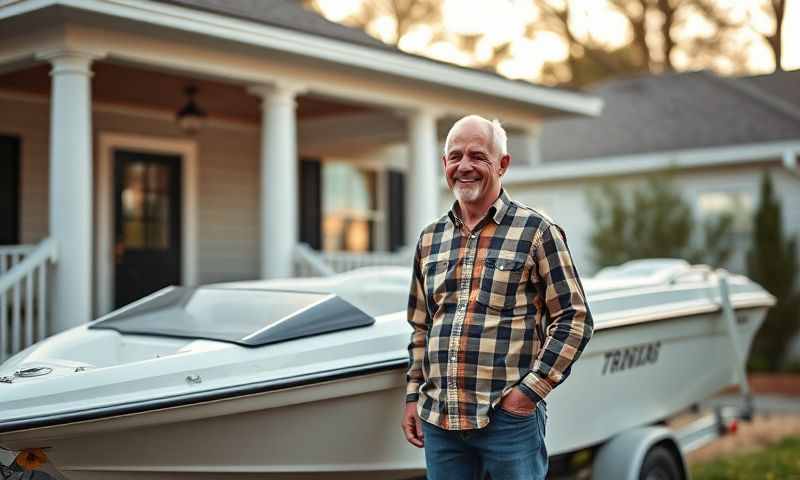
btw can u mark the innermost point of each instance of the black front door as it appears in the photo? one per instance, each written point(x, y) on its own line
point(147, 212)
point(9, 190)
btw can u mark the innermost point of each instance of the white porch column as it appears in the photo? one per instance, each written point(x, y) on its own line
point(531, 146)
point(424, 174)
point(279, 187)
point(71, 185)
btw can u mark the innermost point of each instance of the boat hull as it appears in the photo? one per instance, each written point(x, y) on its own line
point(629, 375)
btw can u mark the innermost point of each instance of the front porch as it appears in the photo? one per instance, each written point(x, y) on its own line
point(232, 201)
point(307, 140)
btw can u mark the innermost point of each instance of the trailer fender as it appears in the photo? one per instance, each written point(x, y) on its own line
point(622, 456)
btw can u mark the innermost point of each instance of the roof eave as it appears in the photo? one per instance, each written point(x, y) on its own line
point(398, 64)
point(778, 152)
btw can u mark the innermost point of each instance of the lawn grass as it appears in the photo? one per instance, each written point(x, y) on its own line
point(780, 461)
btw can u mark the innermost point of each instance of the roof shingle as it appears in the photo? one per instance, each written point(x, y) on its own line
point(677, 111)
point(288, 14)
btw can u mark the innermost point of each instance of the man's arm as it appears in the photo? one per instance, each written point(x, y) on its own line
point(570, 326)
point(418, 318)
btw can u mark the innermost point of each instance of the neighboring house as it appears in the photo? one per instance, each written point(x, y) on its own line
point(314, 133)
point(716, 134)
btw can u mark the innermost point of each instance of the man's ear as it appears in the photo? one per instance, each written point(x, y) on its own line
point(505, 161)
point(444, 162)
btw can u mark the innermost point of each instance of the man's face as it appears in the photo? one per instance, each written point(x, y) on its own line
point(472, 167)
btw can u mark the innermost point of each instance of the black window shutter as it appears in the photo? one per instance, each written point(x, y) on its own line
point(311, 202)
point(9, 190)
point(397, 209)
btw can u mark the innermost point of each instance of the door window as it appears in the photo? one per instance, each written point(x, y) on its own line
point(146, 206)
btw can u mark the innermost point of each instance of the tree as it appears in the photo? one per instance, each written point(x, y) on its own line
point(405, 14)
point(654, 221)
point(661, 35)
point(657, 30)
point(772, 262)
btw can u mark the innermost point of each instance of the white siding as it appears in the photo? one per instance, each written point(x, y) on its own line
point(566, 201)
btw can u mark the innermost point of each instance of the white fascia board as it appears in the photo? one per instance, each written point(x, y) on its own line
point(651, 162)
point(313, 46)
point(12, 8)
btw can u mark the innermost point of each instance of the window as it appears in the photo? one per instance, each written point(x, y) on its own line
point(349, 208)
point(146, 206)
point(739, 204)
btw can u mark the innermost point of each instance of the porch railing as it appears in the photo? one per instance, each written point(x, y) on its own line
point(311, 263)
point(23, 295)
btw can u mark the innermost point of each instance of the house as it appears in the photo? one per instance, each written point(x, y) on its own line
point(154, 142)
point(716, 135)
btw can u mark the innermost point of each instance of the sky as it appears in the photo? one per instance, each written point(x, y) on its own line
point(505, 20)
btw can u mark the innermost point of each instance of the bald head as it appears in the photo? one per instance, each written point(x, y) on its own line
point(498, 139)
point(474, 160)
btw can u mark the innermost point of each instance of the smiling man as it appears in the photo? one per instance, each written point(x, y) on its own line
point(499, 316)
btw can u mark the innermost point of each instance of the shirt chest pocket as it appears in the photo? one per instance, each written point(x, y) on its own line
point(502, 280)
point(436, 274)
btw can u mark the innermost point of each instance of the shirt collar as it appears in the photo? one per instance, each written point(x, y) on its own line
point(497, 211)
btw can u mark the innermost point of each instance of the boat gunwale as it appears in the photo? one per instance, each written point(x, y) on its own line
point(186, 399)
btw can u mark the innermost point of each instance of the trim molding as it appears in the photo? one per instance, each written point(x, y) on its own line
point(104, 210)
point(656, 161)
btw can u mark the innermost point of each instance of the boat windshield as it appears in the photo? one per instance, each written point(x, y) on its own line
point(245, 317)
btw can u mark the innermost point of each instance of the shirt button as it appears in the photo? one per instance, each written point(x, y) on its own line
point(453, 358)
point(472, 236)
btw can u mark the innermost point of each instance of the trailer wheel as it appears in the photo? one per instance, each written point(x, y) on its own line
point(660, 464)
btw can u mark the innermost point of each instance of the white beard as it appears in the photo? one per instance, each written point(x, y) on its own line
point(464, 193)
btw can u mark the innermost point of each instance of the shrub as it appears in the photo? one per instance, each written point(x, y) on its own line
point(654, 221)
point(772, 262)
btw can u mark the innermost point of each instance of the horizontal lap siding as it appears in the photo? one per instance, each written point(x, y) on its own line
point(566, 202)
point(228, 216)
point(30, 122)
point(227, 171)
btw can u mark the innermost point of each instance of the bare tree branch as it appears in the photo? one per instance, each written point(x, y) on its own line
point(779, 12)
point(660, 35)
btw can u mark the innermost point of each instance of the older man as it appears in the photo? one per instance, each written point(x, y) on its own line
point(498, 315)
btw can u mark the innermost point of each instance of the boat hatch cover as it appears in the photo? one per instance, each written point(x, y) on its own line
point(250, 318)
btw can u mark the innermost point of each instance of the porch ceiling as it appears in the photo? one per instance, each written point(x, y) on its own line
point(133, 86)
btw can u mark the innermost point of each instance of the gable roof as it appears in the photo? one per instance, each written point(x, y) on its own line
point(285, 14)
point(290, 14)
point(679, 111)
point(292, 17)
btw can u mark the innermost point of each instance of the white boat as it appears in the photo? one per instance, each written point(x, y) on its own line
point(304, 378)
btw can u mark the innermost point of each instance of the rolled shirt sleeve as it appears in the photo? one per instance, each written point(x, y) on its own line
point(420, 322)
point(568, 321)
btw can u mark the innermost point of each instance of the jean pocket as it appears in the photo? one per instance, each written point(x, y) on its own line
point(515, 415)
point(541, 413)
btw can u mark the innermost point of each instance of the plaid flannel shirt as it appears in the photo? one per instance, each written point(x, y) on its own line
point(497, 307)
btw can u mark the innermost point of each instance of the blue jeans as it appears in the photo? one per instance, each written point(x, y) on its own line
point(511, 447)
